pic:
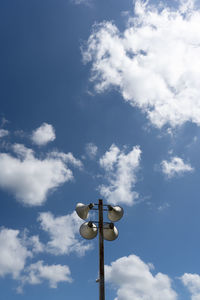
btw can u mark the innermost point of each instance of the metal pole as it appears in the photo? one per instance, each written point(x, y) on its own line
point(101, 252)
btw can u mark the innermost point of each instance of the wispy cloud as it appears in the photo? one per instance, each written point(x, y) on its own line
point(83, 2)
point(3, 132)
point(91, 150)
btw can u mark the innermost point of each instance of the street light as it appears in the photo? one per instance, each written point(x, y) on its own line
point(107, 231)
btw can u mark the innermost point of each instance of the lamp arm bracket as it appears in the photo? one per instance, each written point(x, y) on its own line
point(97, 222)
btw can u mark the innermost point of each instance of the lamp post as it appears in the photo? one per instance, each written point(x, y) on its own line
point(107, 231)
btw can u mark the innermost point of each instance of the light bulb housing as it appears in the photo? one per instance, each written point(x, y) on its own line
point(88, 230)
point(115, 213)
point(110, 232)
point(82, 210)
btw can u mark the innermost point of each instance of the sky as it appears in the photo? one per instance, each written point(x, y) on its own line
point(99, 100)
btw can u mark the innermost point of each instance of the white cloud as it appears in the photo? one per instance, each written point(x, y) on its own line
point(3, 133)
point(110, 157)
point(175, 167)
point(163, 207)
point(186, 5)
point(38, 272)
point(85, 2)
point(155, 62)
point(34, 243)
point(13, 254)
point(91, 150)
point(30, 178)
point(67, 158)
point(134, 280)
point(63, 232)
point(192, 282)
point(43, 134)
point(120, 170)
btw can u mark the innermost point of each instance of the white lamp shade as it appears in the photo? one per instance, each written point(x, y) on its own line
point(110, 232)
point(88, 230)
point(115, 213)
point(82, 210)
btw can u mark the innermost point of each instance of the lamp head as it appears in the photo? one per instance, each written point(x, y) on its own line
point(88, 230)
point(82, 210)
point(115, 213)
point(110, 232)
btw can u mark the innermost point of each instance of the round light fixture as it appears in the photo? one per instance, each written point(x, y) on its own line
point(82, 210)
point(115, 213)
point(88, 230)
point(110, 232)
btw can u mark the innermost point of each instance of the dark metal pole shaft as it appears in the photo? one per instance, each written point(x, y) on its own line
point(101, 252)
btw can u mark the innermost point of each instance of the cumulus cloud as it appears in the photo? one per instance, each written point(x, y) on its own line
point(175, 167)
point(63, 231)
point(33, 242)
point(192, 282)
point(155, 62)
point(43, 134)
point(38, 272)
point(134, 280)
point(91, 150)
point(14, 251)
point(29, 178)
point(3, 133)
point(120, 172)
point(13, 254)
point(67, 158)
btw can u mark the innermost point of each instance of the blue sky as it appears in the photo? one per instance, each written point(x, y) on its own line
point(99, 99)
